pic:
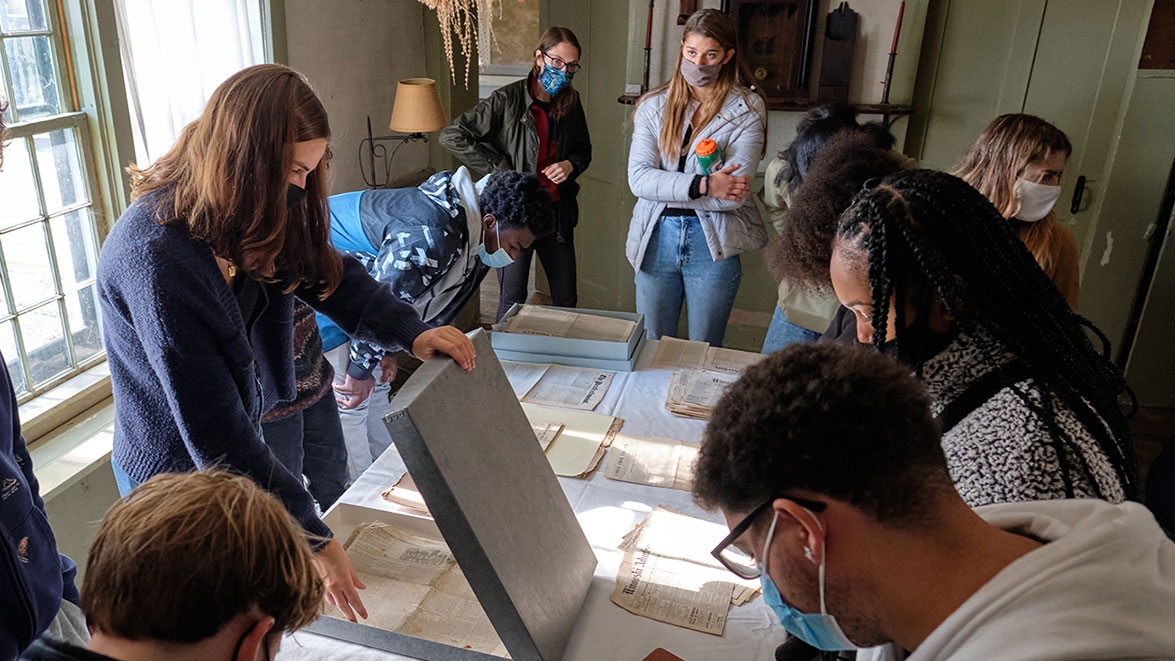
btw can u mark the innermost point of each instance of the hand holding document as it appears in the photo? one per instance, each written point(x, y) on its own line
point(656, 461)
point(695, 393)
point(415, 587)
point(673, 353)
point(669, 575)
point(553, 322)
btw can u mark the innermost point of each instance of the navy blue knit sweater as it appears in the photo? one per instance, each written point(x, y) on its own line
point(184, 371)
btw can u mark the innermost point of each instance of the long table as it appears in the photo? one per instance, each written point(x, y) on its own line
point(606, 509)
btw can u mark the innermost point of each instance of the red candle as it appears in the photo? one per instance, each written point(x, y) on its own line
point(897, 28)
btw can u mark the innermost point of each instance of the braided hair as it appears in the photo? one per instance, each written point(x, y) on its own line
point(928, 234)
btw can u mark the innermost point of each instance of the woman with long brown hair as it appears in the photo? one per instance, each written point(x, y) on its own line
point(197, 282)
point(1017, 163)
point(534, 125)
point(692, 220)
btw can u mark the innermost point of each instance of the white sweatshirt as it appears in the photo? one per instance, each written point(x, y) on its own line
point(1102, 587)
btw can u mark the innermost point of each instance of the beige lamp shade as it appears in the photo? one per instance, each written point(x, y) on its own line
point(418, 107)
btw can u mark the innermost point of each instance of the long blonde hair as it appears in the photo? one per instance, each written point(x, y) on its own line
point(734, 75)
point(1001, 154)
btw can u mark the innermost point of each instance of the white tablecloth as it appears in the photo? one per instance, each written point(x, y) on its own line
point(606, 509)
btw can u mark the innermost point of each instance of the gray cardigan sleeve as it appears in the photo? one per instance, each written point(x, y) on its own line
point(649, 180)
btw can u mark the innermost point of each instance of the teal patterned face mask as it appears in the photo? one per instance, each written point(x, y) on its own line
point(554, 80)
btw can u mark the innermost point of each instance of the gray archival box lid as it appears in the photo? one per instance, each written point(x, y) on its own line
point(474, 458)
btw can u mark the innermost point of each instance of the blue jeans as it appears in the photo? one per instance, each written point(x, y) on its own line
point(125, 483)
point(678, 268)
point(782, 332)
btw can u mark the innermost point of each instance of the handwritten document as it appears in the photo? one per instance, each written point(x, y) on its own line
point(652, 460)
point(669, 575)
point(414, 587)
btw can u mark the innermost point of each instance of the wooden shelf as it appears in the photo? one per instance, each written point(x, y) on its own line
point(886, 110)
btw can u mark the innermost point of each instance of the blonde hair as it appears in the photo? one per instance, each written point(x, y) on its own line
point(1000, 155)
point(185, 553)
point(734, 75)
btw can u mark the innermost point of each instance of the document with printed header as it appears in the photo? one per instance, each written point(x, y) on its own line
point(554, 322)
point(652, 460)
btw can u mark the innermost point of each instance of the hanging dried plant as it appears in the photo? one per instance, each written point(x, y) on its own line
point(461, 17)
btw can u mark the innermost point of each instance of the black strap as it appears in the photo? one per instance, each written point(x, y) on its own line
point(980, 391)
point(685, 142)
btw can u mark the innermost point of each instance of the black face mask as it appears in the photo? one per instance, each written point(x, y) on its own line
point(295, 195)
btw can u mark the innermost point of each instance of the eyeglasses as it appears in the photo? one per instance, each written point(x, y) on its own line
point(560, 63)
point(740, 562)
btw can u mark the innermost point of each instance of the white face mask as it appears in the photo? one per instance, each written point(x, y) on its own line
point(1036, 200)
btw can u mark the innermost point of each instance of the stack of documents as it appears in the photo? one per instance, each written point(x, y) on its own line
point(673, 353)
point(600, 339)
point(668, 573)
point(695, 393)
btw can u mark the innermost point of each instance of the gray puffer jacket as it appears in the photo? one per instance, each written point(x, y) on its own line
point(731, 227)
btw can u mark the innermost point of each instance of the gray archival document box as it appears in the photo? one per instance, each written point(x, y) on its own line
point(496, 501)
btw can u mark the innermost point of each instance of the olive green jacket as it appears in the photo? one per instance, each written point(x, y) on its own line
point(499, 134)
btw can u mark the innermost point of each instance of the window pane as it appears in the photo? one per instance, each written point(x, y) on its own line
point(84, 322)
point(34, 83)
point(11, 357)
point(44, 342)
point(61, 170)
point(75, 245)
point(23, 16)
point(27, 256)
point(17, 188)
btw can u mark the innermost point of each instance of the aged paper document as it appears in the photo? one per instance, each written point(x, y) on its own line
point(571, 387)
point(652, 460)
point(523, 376)
point(405, 494)
point(545, 432)
point(669, 575)
point(694, 393)
point(580, 445)
point(673, 353)
point(414, 587)
point(553, 322)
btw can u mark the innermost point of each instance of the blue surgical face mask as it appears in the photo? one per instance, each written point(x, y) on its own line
point(499, 258)
point(554, 80)
point(820, 630)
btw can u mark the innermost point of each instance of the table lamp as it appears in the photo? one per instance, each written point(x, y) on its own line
point(416, 111)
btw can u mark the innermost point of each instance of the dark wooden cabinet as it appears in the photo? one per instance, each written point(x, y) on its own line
point(776, 39)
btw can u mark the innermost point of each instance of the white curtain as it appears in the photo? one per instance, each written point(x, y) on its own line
point(174, 54)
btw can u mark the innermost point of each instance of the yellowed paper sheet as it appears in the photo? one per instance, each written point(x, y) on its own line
point(405, 494)
point(523, 376)
point(652, 460)
point(583, 434)
point(694, 393)
point(731, 361)
point(673, 353)
point(414, 587)
point(596, 327)
point(546, 432)
point(571, 387)
point(673, 591)
point(535, 320)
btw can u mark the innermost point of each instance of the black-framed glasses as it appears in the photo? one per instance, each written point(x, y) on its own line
point(741, 563)
point(560, 63)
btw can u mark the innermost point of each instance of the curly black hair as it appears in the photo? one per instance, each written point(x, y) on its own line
point(833, 419)
point(927, 234)
point(802, 251)
point(518, 200)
